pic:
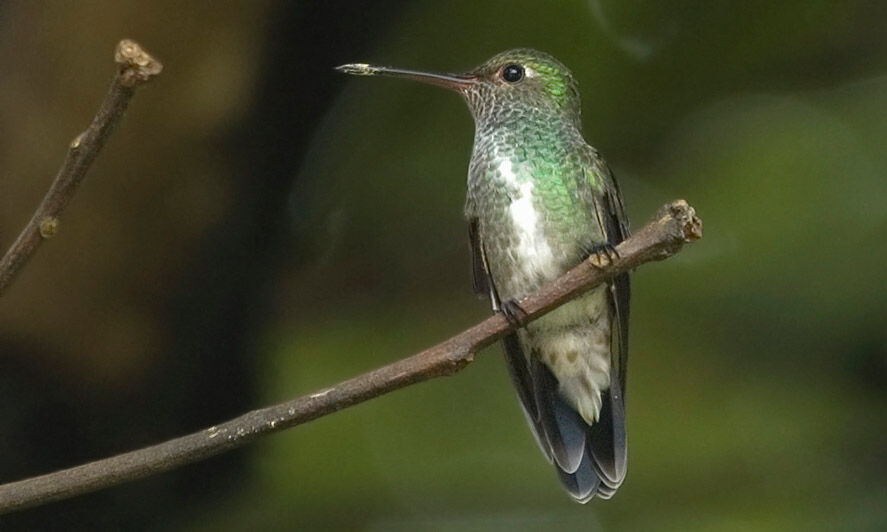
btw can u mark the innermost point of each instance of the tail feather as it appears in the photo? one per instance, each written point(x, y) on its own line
point(590, 459)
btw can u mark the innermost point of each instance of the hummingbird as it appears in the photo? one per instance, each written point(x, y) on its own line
point(540, 200)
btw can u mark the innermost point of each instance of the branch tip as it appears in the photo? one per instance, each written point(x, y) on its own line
point(136, 65)
point(685, 215)
point(677, 224)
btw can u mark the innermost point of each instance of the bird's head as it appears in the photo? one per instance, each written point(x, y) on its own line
point(509, 84)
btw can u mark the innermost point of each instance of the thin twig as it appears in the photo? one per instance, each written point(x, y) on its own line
point(674, 225)
point(134, 67)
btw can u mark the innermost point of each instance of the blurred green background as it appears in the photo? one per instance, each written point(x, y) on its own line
point(260, 227)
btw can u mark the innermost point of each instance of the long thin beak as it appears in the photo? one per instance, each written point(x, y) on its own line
point(455, 82)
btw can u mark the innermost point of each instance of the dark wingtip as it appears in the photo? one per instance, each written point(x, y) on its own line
point(606, 441)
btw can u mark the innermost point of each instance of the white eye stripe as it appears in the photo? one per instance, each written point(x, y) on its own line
point(530, 73)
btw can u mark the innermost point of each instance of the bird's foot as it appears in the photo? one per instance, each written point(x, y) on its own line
point(513, 312)
point(603, 255)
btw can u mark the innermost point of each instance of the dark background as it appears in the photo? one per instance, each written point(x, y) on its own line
point(260, 227)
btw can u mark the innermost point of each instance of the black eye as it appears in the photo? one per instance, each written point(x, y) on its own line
point(513, 73)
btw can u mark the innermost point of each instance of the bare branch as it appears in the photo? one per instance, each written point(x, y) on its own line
point(674, 225)
point(134, 67)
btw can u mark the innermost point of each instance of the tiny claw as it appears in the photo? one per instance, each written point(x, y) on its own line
point(603, 255)
point(513, 312)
